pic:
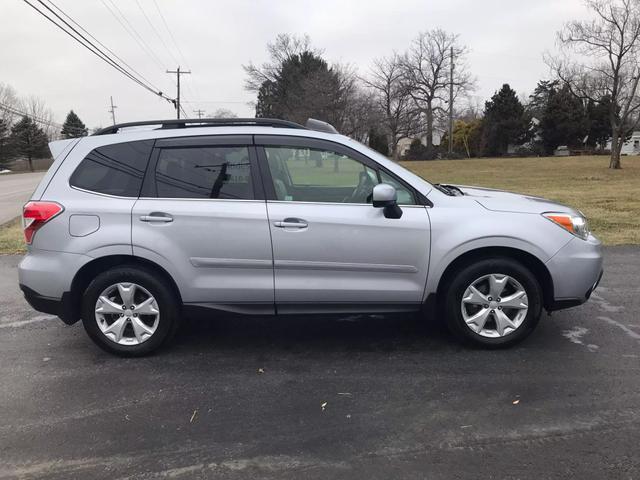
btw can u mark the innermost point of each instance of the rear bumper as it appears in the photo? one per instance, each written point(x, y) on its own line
point(576, 271)
point(61, 307)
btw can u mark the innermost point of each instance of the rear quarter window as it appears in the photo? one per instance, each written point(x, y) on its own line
point(116, 169)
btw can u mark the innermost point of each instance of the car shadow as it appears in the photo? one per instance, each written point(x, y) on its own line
point(357, 332)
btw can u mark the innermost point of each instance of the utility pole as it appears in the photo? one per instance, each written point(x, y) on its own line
point(199, 113)
point(113, 111)
point(451, 106)
point(178, 72)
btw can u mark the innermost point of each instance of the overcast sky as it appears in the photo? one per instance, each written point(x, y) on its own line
point(506, 40)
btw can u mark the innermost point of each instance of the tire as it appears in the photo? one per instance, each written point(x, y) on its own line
point(129, 338)
point(464, 318)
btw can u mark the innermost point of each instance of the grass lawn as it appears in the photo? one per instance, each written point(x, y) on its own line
point(11, 237)
point(609, 198)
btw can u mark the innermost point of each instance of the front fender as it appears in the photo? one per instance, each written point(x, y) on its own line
point(456, 232)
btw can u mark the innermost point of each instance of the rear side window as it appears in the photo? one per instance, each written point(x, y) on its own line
point(114, 169)
point(204, 172)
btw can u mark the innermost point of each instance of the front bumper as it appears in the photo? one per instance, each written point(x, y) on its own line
point(576, 271)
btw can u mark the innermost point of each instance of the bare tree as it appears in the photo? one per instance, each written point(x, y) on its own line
point(8, 101)
point(38, 111)
point(282, 49)
point(393, 100)
point(607, 67)
point(426, 74)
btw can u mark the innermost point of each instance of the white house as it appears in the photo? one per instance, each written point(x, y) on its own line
point(631, 146)
point(403, 144)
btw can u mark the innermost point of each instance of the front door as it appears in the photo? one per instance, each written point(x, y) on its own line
point(202, 216)
point(333, 251)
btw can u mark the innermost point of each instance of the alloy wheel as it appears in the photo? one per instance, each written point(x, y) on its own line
point(494, 305)
point(127, 313)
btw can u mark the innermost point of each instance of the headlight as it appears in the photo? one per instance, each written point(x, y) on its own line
point(575, 224)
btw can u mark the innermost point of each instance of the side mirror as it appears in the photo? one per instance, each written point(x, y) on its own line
point(385, 196)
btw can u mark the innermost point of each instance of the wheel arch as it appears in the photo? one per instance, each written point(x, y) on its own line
point(529, 260)
point(90, 269)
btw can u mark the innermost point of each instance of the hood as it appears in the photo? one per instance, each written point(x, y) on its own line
point(501, 201)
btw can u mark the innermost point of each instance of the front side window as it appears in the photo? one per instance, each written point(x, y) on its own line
point(114, 169)
point(204, 172)
point(311, 175)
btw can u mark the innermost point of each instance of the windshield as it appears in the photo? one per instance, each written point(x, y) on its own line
point(421, 184)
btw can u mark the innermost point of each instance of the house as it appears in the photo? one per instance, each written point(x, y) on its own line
point(404, 143)
point(631, 146)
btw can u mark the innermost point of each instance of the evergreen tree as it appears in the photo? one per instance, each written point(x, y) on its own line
point(73, 126)
point(28, 140)
point(505, 122)
point(4, 141)
point(305, 87)
point(379, 142)
point(564, 120)
point(539, 99)
point(599, 122)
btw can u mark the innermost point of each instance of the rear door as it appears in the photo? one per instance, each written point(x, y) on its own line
point(333, 251)
point(202, 215)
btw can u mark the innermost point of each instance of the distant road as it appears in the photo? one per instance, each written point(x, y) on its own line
point(15, 190)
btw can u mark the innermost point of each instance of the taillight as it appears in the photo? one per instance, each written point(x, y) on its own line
point(36, 214)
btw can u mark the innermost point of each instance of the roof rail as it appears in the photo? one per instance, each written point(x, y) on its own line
point(203, 122)
point(320, 126)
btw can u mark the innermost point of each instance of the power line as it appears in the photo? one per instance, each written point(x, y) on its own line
point(173, 39)
point(133, 33)
point(102, 44)
point(175, 44)
point(199, 113)
point(82, 40)
point(15, 111)
point(156, 32)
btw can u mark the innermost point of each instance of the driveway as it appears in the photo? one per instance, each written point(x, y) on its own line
point(15, 190)
point(316, 398)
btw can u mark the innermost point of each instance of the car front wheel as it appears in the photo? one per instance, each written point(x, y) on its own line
point(494, 302)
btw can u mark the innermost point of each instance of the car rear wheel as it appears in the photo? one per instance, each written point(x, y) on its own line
point(494, 302)
point(129, 311)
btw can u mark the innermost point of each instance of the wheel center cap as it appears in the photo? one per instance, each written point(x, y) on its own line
point(493, 305)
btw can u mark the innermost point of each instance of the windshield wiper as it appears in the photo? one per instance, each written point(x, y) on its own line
point(449, 190)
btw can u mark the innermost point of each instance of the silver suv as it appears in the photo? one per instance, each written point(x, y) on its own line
point(141, 224)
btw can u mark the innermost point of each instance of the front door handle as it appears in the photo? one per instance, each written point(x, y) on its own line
point(291, 223)
point(157, 217)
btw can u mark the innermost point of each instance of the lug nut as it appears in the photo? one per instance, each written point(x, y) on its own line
point(122, 314)
point(490, 299)
point(124, 307)
point(135, 314)
point(493, 311)
point(498, 299)
point(499, 308)
point(485, 305)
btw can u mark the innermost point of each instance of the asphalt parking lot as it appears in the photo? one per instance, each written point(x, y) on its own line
point(355, 397)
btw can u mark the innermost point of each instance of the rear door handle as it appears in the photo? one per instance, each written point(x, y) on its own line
point(157, 217)
point(291, 223)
